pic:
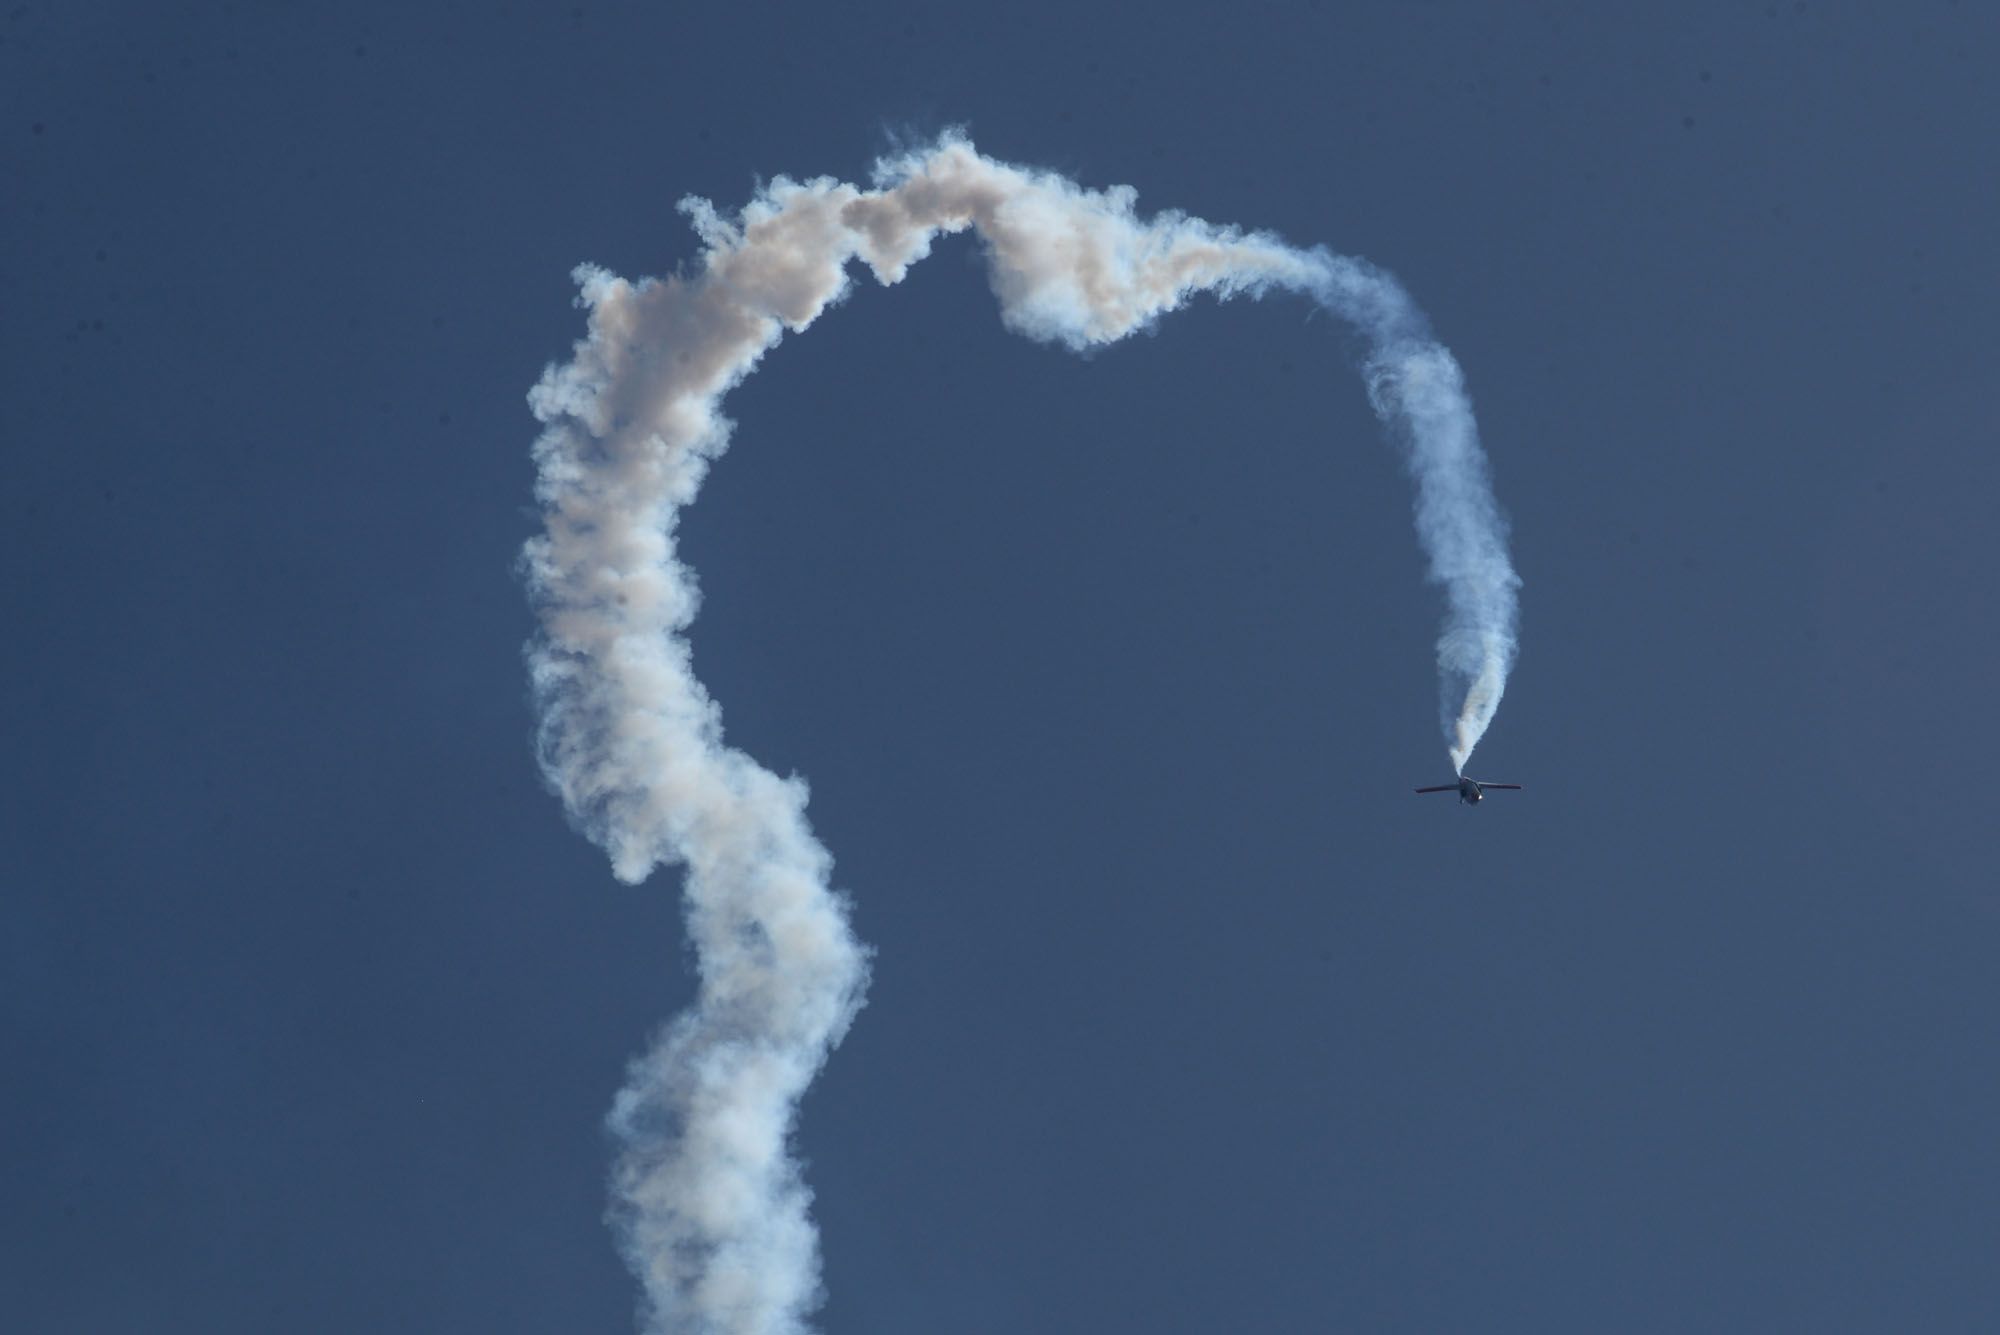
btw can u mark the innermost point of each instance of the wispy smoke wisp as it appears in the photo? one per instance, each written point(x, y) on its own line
point(711, 1210)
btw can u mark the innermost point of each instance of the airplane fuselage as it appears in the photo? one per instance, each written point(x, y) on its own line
point(1468, 791)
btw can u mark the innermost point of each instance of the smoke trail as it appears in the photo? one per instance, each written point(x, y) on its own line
point(710, 1208)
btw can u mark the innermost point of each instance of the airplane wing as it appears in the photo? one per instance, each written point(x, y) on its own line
point(1441, 788)
point(1515, 786)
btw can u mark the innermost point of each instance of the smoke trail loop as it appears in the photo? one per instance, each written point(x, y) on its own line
point(711, 1210)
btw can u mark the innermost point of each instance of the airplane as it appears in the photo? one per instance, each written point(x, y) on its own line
point(1469, 790)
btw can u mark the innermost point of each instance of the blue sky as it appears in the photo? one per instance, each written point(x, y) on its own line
point(1110, 675)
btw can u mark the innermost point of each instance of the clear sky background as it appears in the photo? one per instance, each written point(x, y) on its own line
point(1111, 675)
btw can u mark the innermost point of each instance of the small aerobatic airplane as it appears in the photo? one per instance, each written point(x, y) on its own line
point(1469, 790)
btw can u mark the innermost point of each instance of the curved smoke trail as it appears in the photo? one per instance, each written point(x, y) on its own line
point(711, 1209)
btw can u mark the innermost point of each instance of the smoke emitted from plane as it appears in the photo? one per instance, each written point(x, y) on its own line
point(710, 1207)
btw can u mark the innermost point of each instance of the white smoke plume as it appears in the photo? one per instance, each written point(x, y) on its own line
point(710, 1207)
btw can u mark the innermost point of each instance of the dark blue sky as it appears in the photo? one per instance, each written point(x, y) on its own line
point(1111, 675)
